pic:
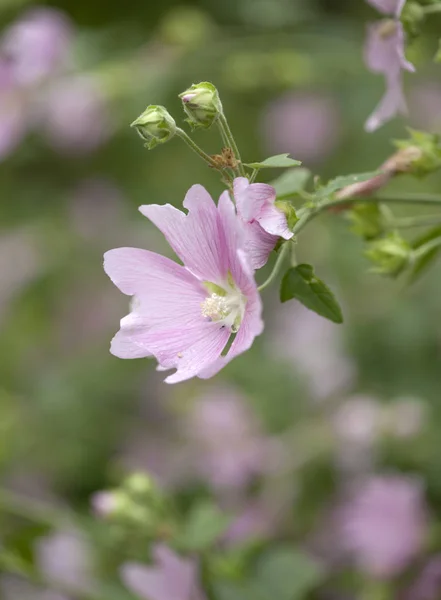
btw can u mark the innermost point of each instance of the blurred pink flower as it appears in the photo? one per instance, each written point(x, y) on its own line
point(170, 578)
point(185, 315)
point(255, 522)
point(428, 584)
point(314, 346)
point(264, 223)
point(38, 44)
point(75, 115)
point(229, 447)
point(65, 558)
point(383, 525)
point(306, 125)
point(388, 7)
point(384, 54)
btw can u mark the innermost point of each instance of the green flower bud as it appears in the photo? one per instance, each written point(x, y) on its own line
point(420, 154)
point(367, 220)
point(155, 126)
point(202, 104)
point(139, 485)
point(412, 17)
point(290, 212)
point(390, 255)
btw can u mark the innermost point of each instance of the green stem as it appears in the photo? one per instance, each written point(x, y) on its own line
point(419, 221)
point(191, 144)
point(33, 510)
point(432, 8)
point(283, 253)
point(229, 138)
point(254, 175)
point(422, 250)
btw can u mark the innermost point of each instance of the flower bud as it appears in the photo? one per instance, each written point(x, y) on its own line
point(155, 126)
point(390, 255)
point(289, 211)
point(202, 104)
point(419, 155)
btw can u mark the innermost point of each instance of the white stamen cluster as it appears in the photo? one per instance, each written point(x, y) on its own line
point(215, 307)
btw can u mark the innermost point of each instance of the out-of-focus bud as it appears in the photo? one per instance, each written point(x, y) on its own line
point(288, 209)
point(390, 255)
point(419, 155)
point(367, 220)
point(202, 104)
point(155, 126)
point(412, 18)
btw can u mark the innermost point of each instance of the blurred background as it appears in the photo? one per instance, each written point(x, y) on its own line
point(322, 436)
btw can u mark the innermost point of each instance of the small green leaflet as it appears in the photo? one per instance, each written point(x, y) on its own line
point(280, 161)
point(204, 525)
point(291, 182)
point(301, 283)
point(340, 182)
point(427, 259)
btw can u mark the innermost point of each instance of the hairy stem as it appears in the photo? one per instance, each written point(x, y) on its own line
point(228, 136)
point(283, 253)
point(191, 144)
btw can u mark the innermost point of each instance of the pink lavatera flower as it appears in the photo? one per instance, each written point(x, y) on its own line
point(185, 315)
point(263, 222)
point(169, 578)
point(384, 54)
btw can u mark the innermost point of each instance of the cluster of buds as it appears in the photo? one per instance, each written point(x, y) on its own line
point(390, 255)
point(201, 104)
point(136, 506)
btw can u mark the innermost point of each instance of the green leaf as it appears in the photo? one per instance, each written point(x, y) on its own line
point(291, 182)
point(367, 220)
point(301, 283)
point(247, 590)
point(287, 574)
point(340, 182)
point(437, 57)
point(204, 525)
point(424, 262)
point(280, 161)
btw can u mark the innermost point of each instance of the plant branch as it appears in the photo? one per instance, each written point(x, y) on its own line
point(283, 253)
point(227, 135)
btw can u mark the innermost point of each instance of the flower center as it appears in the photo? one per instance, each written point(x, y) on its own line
point(387, 28)
point(227, 308)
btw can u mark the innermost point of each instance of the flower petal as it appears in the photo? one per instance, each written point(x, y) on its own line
point(391, 104)
point(273, 221)
point(197, 237)
point(258, 244)
point(251, 198)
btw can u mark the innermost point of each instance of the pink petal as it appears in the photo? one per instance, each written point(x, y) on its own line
point(197, 237)
point(252, 198)
point(258, 244)
point(392, 103)
point(233, 233)
point(251, 326)
point(388, 7)
point(273, 221)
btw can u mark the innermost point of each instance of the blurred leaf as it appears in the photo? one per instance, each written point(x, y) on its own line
point(204, 525)
point(301, 283)
point(342, 181)
point(291, 182)
point(424, 262)
point(239, 591)
point(438, 53)
point(287, 574)
point(280, 161)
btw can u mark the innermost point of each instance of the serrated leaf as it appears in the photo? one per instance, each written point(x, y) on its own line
point(301, 283)
point(287, 574)
point(342, 181)
point(204, 525)
point(424, 262)
point(280, 161)
point(291, 182)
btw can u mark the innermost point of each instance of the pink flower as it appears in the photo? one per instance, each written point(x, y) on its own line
point(38, 44)
point(185, 315)
point(75, 116)
point(264, 222)
point(384, 53)
point(384, 524)
point(230, 448)
point(170, 578)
